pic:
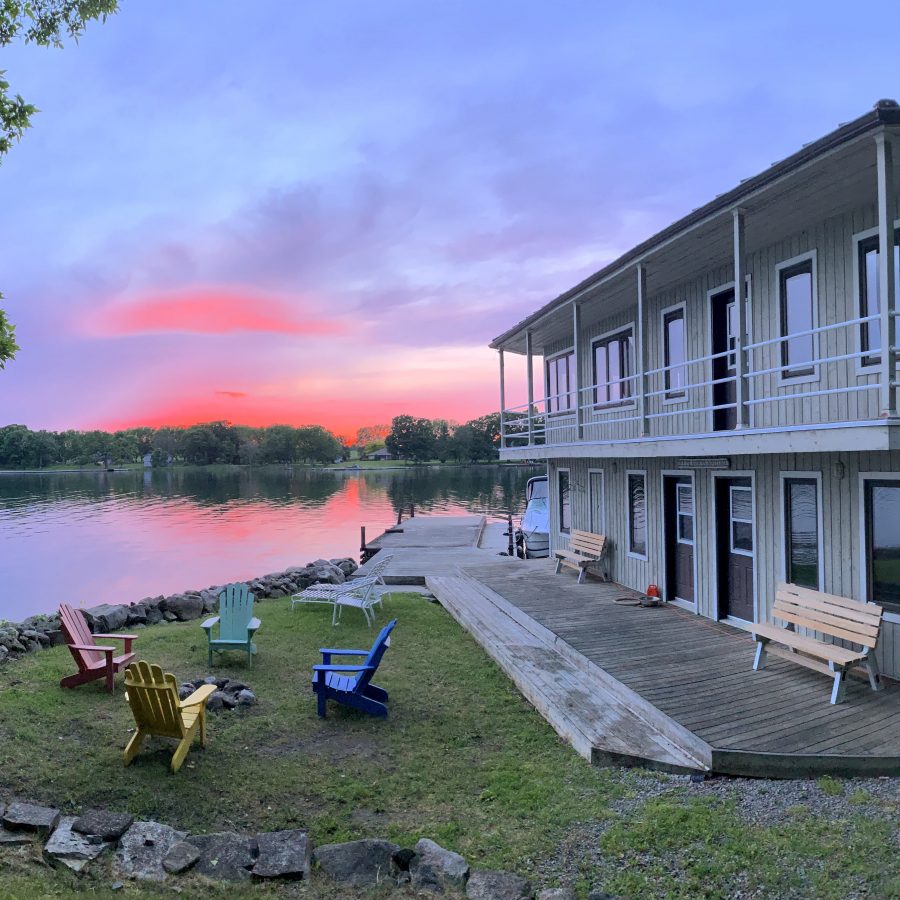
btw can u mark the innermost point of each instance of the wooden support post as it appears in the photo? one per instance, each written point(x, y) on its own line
point(742, 410)
point(412, 510)
point(887, 301)
point(576, 347)
point(511, 540)
point(400, 515)
point(641, 351)
point(502, 403)
point(362, 543)
point(529, 356)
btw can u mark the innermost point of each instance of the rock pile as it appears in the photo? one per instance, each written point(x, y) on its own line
point(151, 851)
point(229, 693)
point(42, 631)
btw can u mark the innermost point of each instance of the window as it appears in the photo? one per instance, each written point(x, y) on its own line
point(801, 532)
point(637, 514)
point(684, 509)
point(613, 368)
point(797, 300)
point(565, 508)
point(560, 381)
point(869, 305)
point(741, 520)
point(882, 519)
point(675, 353)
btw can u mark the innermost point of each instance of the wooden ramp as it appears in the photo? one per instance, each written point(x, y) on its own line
point(604, 721)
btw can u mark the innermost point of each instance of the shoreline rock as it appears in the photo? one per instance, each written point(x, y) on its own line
point(38, 632)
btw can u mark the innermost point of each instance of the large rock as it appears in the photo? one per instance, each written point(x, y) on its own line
point(143, 848)
point(8, 838)
point(107, 617)
point(328, 572)
point(346, 565)
point(108, 826)
point(225, 856)
point(557, 893)
point(71, 848)
point(357, 863)
point(30, 817)
point(180, 858)
point(283, 854)
point(488, 885)
point(4, 652)
point(183, 606)
point(436, 869)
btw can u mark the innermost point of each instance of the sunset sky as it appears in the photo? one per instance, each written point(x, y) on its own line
point(310, 212)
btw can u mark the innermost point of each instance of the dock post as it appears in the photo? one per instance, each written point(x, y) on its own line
point(511, 546)
point(362, 543)
point(412, 510)
point(400, 515)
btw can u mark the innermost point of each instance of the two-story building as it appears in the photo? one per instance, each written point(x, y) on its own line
point(722, 400)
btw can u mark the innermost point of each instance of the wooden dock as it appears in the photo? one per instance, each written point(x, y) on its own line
point(660, 687)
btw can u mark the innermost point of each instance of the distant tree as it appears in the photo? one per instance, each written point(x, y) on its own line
point(485, 440)
point(279, 444)
point(200, 445)
point(411, 438)
point(372, 434)
point(159, 458)
point(316, 444)
point(442, 439)
point(47, 23)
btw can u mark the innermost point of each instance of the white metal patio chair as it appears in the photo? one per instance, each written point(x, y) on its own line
point(356, 593)
point(325, 593)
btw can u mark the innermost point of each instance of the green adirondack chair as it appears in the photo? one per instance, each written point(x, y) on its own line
point(236, 621)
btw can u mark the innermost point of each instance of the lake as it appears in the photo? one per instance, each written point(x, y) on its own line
point(115, 537)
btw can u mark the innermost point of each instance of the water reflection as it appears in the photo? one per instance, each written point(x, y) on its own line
point(111, 537)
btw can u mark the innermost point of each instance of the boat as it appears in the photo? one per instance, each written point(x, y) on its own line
point(533, 536)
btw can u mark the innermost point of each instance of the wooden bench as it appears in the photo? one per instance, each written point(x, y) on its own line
point(836, 618)
point(585, 549)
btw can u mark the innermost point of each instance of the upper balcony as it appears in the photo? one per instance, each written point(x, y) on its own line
point(653, 355)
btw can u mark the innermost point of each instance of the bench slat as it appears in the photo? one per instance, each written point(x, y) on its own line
point(870, 629)
point(820, 649)
point(863, 614)
point(808, 593)
point(825, 624)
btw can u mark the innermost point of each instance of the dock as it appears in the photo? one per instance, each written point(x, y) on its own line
point(624, 684)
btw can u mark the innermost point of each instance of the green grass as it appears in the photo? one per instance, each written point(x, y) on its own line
point(462, 759)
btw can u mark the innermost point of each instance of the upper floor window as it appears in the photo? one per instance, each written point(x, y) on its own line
point(797, 301)
point(560, 382)
point(613, 368)
point(674, 353)
point(869, 304)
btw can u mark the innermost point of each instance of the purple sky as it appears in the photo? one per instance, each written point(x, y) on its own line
point(298, 212)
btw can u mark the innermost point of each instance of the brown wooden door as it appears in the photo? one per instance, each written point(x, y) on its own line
point(724, 324)
point(735, 550)
point(678, 498)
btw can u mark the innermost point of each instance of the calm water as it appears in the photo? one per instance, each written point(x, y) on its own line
point(119, 536)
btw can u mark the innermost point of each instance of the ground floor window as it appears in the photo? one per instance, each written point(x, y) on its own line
point(882, 523)
point(565, 508)
point(741, 524)
point(637, 513)
point(801, 532)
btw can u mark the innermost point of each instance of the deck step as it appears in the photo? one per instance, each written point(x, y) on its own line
point(569, 691)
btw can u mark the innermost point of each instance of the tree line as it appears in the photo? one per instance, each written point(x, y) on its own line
point(421, 440)
point(202, 444)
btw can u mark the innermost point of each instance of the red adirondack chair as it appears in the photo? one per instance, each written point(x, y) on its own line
point(93, 659)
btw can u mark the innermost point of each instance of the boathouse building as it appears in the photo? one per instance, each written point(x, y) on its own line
point(722, 400)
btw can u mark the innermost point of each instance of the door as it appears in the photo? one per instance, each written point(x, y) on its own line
point(735, 550)
point(678, 500)
point(724, 331)
point(598, 515)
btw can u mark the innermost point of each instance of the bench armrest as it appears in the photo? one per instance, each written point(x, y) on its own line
point(330, 668)
point(208, 624)
point(117, 637)
point(253, 624)
point(100, 647)
point(201, 695)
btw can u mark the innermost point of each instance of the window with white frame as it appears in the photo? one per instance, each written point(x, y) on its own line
point(560, 383)
point(801, 532)
point(741, 520)
point(565, 504)
point(674, 353)
point(637, 513)
point(869, 304)
point(613, 368)
point(797, 311)
point(882, 533)
point(684, 509)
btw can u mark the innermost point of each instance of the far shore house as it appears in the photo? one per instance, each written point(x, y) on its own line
point(722, 400)
point(382, 453)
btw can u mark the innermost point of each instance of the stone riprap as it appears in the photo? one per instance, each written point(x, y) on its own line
point(229, 694)
point(39, 632)
point(152, 851)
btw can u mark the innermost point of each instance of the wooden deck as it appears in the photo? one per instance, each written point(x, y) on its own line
point(660, 687)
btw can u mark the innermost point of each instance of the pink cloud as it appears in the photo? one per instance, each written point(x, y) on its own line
point(208, 311)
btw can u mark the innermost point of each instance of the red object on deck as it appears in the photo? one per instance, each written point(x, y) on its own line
point(652, 590)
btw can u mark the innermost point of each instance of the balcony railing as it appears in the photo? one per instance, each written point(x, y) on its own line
point(685, 406)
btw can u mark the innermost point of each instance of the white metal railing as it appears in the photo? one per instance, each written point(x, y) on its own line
point(576, 414)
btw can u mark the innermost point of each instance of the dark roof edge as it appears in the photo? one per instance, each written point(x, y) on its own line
point(885, 113)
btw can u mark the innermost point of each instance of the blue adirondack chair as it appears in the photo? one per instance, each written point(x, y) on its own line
point(352, 685)
point(236, 621)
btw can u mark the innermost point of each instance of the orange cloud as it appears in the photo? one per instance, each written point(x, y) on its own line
point(208, 312)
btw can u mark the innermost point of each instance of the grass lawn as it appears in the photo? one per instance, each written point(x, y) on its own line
point(462, 759)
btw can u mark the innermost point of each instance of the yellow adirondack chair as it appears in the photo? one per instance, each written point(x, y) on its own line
point(153, 698)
